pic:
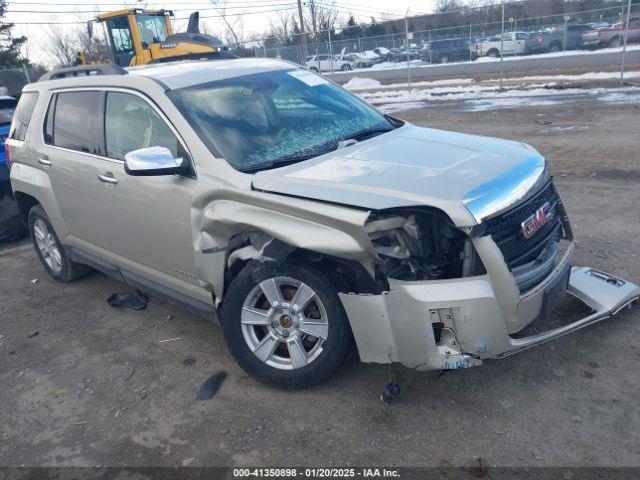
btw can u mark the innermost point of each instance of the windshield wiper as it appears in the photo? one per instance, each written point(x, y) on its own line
point(368, 133)
point(280, 162)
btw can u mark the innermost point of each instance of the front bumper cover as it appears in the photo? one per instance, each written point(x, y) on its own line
point(398, 326)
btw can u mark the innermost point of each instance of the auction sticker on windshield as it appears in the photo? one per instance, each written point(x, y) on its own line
point(309, 78)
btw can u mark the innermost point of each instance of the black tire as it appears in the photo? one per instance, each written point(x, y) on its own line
point(346, 67)
point(443, 58)
point(493, 53)
point(335, 347)
point(615, 42)
point(314, 69)
point(555, 47)
point(69, 270)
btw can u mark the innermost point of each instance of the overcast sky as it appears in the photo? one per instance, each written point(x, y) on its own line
point(31, 16)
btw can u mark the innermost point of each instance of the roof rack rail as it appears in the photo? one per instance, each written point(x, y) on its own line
point(100, 69)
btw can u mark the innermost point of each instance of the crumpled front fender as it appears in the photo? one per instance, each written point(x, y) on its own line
point(318, 227)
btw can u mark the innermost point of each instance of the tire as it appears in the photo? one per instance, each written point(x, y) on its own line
point(443, 58)
point(615, 42)
point(314, 69)
point(555, 47)
point(493, 53)
point(346, 67)
point(50, 250)
point(276, 331)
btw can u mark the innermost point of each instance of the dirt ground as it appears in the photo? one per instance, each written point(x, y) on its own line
point(96, 386)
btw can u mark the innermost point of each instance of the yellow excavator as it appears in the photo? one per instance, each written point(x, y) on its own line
point(137, 37)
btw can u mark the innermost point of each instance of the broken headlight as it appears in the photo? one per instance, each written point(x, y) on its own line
point(416, 246)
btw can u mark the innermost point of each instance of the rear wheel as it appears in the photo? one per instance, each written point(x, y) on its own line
point(615, 42)
point(345, 67)
point(314, 69)
point(444, 58)
point(50, 250)
point(284, 324)
point(493, 53)
point(555, 47)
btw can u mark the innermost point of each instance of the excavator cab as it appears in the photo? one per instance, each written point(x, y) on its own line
point(138, 37)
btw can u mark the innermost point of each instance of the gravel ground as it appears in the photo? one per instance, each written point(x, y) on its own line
point(85, 384)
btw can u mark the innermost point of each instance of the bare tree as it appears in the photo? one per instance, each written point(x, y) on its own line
point(234, 33)
point(63, 45)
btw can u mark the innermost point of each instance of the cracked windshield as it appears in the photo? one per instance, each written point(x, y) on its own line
point(270, 119)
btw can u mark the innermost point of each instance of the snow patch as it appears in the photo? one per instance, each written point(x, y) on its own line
point(620, 97)
point(358, 83)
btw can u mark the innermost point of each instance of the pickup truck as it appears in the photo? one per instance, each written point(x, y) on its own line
point(553, 40)
point(514, 44)
point(613, 36)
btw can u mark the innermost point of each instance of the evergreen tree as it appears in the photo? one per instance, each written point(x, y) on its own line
point(9, 45)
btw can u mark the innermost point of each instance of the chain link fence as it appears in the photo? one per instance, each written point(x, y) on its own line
point(12, 80)
point(419, 40)
point(422, 40)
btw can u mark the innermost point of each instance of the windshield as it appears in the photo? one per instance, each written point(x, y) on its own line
point(261, 120)
point(152, 28)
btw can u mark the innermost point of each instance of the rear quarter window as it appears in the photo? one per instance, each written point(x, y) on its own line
point(22, 116)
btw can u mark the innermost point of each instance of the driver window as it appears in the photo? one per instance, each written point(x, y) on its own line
point(131, 123)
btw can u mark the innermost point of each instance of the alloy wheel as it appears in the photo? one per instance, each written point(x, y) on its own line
point(284, 323)
point(47, 245)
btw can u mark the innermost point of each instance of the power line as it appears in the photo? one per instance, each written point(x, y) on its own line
point(78, 22)
point(68, 12)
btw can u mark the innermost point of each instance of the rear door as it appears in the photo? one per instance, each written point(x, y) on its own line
point(72, 155)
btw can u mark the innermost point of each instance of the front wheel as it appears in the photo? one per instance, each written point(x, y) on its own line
point(615, 42)
point(345, 67)
point(284, 324)
point(314, 69)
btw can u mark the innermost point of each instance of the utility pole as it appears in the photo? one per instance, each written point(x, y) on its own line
point(406, 31)
point(304, 36)
point(564, 36)
point(624, 45)
point(501, 45)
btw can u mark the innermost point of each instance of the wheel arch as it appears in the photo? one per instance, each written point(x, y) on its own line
point(349, 276)
point(25, 203)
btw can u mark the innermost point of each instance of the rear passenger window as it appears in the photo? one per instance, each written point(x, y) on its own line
point(22, 116)
point(75, 121)
point(131, 123)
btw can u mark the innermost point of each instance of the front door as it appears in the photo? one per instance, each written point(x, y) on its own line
point(149, 217)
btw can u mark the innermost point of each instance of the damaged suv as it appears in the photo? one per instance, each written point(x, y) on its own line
point(262, 194)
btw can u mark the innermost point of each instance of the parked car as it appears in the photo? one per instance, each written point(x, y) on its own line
point(270, 199)
point(373, 56)
point(553, 41)
point(326, 63)
point(612, 36)
point(445, 51)
point(358, 60)
point(402, 54)
point(514, 44)
point(7, 108)
point(384, 53)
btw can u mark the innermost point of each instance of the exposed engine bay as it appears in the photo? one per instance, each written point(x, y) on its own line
point(419, 245)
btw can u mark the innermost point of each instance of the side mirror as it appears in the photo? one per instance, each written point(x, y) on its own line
point(154, 161)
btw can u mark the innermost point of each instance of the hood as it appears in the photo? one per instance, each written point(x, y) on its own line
point(469, 177)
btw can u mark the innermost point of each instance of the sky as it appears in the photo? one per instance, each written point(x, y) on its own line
point(33, 18)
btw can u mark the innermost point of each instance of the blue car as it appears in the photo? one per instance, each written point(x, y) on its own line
point(7, 107)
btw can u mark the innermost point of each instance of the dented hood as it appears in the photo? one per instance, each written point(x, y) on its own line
point(469, 177)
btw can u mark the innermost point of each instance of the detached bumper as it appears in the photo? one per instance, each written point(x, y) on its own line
point(451, 324)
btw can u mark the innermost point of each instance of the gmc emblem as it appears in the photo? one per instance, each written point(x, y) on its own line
point(533, 223)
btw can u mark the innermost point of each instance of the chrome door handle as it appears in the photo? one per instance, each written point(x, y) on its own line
point(45, 162)
point(107, 179)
